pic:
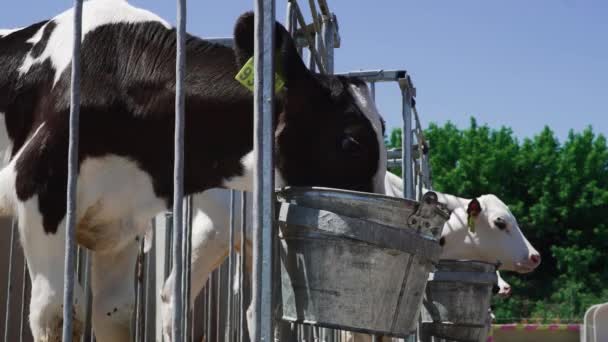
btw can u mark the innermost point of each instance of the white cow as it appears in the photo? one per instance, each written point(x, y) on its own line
point(210, 237)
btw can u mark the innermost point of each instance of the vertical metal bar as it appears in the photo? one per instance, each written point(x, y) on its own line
point(70, 241)
point(9, 282)
point(139, 294)
point(218, 303)
point(23, 300)
point(328, 34)
point(372, 86)
point(88, 299)
point(178, 170)
point(242, 264)
point(209, 307)
point(188, 325)
point(406, 140)
point(320, 42)
point(148, 284)
point(311, 60)
point(263, 187)
point(290, 27)
point(230, 265)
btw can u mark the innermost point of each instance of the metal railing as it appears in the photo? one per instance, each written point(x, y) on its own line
point(218, 313)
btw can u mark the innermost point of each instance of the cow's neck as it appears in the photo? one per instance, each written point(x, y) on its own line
point(227, 122)
point(451, 202)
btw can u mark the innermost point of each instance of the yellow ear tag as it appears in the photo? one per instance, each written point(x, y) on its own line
point(471, 223)
point(246, 74)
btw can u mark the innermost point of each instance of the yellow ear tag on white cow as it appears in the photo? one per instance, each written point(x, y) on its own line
point(471, 223)
point(246, 74)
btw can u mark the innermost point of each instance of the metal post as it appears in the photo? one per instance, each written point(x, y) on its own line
point(178, 170)
point(406, 148)
point(328, 40)
point(149, 284)
point(372, 86)
point(263, 187)
point(218, 301)
point(9, 283)
point(188, 325)
point(230, 266)
point(139, 291)
point(88, 323)
point(242, 264)
point(25, 278)
point(70, 240)
point(311, 60)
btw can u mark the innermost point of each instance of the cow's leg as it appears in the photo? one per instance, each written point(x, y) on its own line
point(113, 276)
point(45, 258)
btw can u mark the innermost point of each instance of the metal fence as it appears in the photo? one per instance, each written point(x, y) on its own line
point(218, 313)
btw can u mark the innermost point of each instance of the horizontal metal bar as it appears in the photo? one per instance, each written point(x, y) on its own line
point(229, 42)
point(378, 75)
point(299, 39)
point(480, 278)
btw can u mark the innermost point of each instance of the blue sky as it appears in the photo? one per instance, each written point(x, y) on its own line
point(519, 63)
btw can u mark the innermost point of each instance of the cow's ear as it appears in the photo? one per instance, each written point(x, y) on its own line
point(474, 207)
point(290, 65)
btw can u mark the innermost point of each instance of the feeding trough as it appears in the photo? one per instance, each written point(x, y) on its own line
point(355, 261)
point(457, 303)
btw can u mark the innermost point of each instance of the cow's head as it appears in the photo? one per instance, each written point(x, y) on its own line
point(485, 229)
point(328, 132)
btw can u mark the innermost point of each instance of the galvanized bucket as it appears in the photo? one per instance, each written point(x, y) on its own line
point(355, 261)
point(457, 302)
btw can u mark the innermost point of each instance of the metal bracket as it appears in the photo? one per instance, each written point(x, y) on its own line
point(426, 216)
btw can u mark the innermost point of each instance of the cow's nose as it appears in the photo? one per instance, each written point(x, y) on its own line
point(535, 258)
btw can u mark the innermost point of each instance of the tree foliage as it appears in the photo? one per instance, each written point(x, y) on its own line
point(559, 194)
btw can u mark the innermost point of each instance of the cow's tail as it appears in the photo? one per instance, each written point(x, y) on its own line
point(8, 197)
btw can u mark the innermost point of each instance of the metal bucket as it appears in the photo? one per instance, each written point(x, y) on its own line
point(355, 261)
point(457, 301)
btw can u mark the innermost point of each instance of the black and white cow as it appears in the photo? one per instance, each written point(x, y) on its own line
point(328, 133)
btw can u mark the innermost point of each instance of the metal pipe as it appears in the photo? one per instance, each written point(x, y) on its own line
point(263, 187)
point(311, 41)
point(372, 86)
point(139, 293)
point(328, 34)
point(320, 43)
point(378, 75)
point(88, 299)
point(178, 170)
point(230, 265)
point(406, 148)
point(289, 22)
point(208, 309)
point(188, 269)
point(242, 264)
point(23, 299)
point(9, 282)
point(218, 301)
point(70, 240)
point(148, 283)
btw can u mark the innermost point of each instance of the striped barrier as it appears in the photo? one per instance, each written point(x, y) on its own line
point(532, 327)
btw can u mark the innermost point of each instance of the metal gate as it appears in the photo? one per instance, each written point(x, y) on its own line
point(219, 312)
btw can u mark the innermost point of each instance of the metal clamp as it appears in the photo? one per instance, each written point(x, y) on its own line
point(426, 215)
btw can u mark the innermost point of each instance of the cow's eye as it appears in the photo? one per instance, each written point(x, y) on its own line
point(351, 146)
point(500, 223)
